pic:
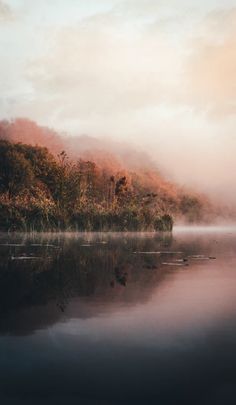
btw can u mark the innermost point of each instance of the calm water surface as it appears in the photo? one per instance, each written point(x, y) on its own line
point(118, 318)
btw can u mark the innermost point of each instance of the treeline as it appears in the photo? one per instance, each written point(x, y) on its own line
point(41, 191)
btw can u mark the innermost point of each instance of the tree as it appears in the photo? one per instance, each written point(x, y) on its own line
point(192, 208)
point(16, 172)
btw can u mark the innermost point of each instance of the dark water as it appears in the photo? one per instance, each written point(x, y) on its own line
point(118, 319)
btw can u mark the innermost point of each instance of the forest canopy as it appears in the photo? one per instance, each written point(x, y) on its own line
point(43, 191)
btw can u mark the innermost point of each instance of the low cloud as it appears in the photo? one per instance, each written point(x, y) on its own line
point(5, 11)
point(106, 66)
point(149, 72)
point(211, 69)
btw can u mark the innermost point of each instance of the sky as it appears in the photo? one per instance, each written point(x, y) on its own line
point(159, 74)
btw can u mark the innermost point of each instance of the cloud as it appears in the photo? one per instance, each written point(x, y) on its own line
point(120, 60)
point(5, 12)
point(210, 83)
point(105, 66)
point(149, 72)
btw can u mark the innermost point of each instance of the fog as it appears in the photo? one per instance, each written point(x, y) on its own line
point(207, 166)
point(157, 77)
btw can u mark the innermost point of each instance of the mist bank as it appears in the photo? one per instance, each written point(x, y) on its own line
point(106, 152)
point(91, 179)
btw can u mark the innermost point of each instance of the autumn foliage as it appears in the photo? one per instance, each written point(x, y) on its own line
point(40, 190)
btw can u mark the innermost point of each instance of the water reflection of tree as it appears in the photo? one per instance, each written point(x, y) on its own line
point(106, 271)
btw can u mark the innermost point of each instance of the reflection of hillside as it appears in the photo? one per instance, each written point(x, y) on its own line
point(74, 280)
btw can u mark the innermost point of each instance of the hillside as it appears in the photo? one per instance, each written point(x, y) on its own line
point(48, 181)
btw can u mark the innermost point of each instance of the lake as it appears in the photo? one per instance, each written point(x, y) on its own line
point(119, 318)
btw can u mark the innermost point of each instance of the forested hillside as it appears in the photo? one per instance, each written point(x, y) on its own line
point(44, 190)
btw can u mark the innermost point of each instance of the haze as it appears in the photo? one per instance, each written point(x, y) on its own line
point(160, 75)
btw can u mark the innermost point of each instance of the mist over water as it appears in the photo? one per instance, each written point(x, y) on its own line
point(119, 318)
